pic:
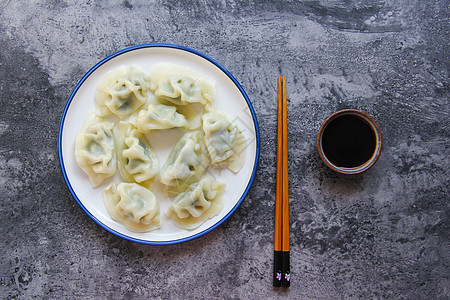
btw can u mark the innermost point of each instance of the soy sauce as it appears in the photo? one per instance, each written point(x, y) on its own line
point(348, 141)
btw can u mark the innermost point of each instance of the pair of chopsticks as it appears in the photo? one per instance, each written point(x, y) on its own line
point(281, 270)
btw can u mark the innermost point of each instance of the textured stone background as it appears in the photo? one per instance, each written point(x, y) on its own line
point(381, 235)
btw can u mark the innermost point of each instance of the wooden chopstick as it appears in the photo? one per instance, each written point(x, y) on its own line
point(278, 256)
point(286, 280)
point(281, 272)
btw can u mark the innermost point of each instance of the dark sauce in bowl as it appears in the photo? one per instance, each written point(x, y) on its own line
point(348, 141)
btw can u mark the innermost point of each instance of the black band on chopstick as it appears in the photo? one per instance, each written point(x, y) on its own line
point(277, 268)
point(286, 277)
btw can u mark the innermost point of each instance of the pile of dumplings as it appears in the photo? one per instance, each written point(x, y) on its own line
point(131, 103)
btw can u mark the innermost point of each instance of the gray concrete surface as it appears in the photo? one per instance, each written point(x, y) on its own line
point(380, 235)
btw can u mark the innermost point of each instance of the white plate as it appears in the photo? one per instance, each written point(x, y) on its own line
point(230, 97)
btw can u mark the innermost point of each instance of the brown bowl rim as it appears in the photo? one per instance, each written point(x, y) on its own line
point(363, 167)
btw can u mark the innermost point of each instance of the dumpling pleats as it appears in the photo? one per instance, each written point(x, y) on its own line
point(186, 162)
point(203, 200)
point(133, 206)
point(122, 91)
point(136, 159)
point(225, 142)
point(181, 85)
point(95, 149)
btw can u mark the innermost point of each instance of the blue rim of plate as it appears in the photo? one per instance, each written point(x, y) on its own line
point(159, 45)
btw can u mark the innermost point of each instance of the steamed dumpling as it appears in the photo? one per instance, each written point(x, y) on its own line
point(95, 149)
point(132, 205)
point(166, 115)
point(136, 159)
point(187, 161)
point(225, 142)
point(160, 117)
point(200, 202)
point(122, 91)
point(181, 85)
